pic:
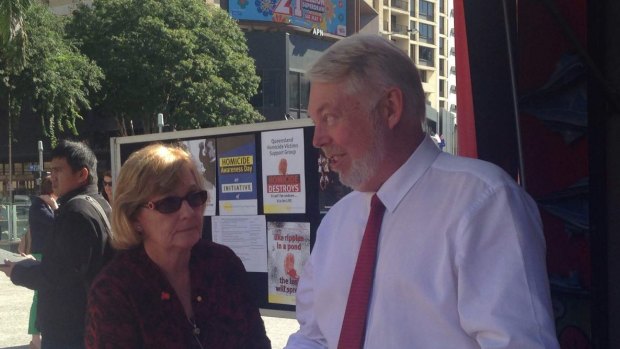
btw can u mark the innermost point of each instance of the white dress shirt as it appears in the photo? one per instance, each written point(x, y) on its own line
point(460, 262)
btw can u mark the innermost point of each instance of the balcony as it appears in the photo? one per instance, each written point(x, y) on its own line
point(400, 4)
point(399, 29)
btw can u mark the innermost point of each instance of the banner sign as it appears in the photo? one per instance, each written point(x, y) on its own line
point(330, 16)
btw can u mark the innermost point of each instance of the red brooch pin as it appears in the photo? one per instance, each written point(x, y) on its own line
point(165, 296)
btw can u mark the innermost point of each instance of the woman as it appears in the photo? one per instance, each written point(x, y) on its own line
point(167, 288)
point(107, 186)
point(40, 224)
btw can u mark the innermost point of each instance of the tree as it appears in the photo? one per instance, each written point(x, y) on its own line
point(55, 79)
point(13, 40)
point(183, 58)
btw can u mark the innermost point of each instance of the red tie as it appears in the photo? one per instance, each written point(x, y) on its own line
point(354, 324)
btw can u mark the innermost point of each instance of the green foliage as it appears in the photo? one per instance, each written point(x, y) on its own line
point(184, 58)
point(56, 79)
point(12, 29)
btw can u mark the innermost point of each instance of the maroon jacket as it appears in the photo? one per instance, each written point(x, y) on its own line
point(132, 305)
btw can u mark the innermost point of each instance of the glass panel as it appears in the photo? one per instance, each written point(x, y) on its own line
point(293, 90)
point(304, 94)
point(18, 168)
point(271, 88)
point(423, 76)
point(427, 10)
point(426, 33)
point(426, 56)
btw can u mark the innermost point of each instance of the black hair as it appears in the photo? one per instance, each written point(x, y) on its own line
point(78, 156)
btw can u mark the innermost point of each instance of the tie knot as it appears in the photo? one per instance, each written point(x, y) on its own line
point(375, 203)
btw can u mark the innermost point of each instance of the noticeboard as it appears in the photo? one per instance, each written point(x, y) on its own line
point(269, 187)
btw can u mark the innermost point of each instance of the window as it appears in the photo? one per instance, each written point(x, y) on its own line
point(426, 33)
point(257, 99)
point(442, 69)
point(18, 168)
point(271, 88)
point(299, 92)
point(442, 47)
point(399, 4)
point(442, 6)
point(427, 10)
point(426, 56)
point(423, 76)
point(442, 88)
point(442, 26)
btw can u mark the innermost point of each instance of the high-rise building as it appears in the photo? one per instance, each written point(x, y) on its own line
point(424, 29)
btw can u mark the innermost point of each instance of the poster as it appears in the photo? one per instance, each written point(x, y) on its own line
point(245, 235)
point(284, 180)
point(289, 249)
point(330, 16)
point(204, 154)
point(330, 188)
point(237, 175)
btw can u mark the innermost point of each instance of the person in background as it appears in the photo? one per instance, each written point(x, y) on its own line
point(168, 288)
point(75, 250)
point(107, 186)
point(460, 253)
point(41, 224)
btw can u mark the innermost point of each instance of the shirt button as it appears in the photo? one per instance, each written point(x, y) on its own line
point(199, 299)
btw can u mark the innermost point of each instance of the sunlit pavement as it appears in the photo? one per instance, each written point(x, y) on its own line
point(15, 307)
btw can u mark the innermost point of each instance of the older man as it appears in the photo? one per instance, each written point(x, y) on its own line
point(430, 250)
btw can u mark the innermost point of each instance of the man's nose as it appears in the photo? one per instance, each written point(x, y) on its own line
point(320, 137)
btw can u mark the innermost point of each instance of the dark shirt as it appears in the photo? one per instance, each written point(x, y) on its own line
point(132, 305)
point(41, 223)
point(75, 251)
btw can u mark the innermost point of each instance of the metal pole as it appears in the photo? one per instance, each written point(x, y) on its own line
point(10, 184)
point(40, 147)
point(160, 121)
point(515, 98)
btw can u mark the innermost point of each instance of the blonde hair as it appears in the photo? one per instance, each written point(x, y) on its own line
point(151, 171)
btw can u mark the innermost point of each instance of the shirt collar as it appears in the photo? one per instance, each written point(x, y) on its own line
point(89, 189)
point(400, 182)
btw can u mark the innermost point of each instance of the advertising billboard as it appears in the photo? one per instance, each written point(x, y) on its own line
point(328, 16)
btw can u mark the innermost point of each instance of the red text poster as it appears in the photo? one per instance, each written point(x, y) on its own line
point(289, 248)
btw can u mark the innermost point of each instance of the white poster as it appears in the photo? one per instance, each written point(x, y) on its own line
point(245, 235)
point(284, 182)
point(289, 249)
point(203, 152)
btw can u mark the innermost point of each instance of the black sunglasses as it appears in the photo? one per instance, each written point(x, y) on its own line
point(107, 184)
point(172, 204)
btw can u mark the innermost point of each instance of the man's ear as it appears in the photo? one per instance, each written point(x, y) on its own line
point(84, 174)
point(394, 106)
